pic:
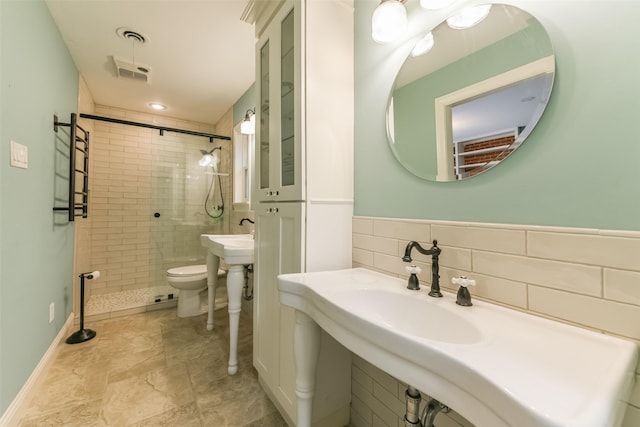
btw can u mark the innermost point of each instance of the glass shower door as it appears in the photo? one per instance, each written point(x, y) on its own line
point(178, 217)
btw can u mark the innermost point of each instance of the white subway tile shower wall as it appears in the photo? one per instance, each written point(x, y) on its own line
point(589, 278)
point(135, 173)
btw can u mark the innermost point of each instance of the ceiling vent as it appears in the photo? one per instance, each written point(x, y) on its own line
point(127, 70)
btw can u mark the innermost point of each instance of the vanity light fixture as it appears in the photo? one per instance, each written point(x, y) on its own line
point(157, 106)
point(389, 21)
point(423, 46)
point(435, 4)
point(248, 125)
point(469, 17)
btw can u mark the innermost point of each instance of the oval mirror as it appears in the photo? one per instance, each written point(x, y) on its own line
point(473, 97)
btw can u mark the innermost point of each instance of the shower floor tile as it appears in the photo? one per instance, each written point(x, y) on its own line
point(143, 299)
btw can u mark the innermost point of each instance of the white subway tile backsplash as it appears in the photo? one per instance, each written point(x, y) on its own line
point(361, 414)
point(362, 257)
point(402, 230)
point(377, 244)
point(362, 226)
point(616, 252)
point(395, 266)
point(490, 288)
point(597, 313)
point(362, 378)
point(390, 399)
point(481, 238)
point(375, 374)
point(578, 278)
point(382, 419)
point(455, 257)
point(622, 285)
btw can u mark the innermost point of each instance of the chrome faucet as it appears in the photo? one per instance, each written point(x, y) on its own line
point(434, 251)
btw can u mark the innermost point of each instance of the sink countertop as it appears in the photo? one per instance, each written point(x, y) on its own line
point(493, 365)
point(233, 248)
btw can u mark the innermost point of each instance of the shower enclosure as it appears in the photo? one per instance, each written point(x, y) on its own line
point(148, 209)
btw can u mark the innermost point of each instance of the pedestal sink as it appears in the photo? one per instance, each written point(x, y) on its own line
point(495, 366)
point(237, 251)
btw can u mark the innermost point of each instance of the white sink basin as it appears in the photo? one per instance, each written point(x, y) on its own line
point(233, 248)
point(495, 366)
point(408, 316)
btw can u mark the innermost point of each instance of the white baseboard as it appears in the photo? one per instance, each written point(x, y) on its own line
point(14, 412)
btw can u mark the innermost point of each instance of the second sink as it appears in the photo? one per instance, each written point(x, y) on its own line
point(233, 248)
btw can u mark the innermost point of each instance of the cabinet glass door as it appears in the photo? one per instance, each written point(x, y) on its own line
point(287, 99)
point(264, 117)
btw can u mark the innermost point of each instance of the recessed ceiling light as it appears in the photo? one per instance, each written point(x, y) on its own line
point(157, 106)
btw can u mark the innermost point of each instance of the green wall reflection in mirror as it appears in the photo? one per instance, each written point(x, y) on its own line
point(469, 102)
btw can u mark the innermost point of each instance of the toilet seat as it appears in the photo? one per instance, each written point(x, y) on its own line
point(192, 272)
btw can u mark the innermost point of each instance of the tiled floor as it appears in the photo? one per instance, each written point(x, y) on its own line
point(153, 369)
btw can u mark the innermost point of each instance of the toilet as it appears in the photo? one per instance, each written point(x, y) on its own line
point(191, 280)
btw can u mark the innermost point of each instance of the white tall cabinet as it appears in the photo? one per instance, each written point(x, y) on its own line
point(303, 195)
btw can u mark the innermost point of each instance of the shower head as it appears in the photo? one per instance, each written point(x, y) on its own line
point(209, 158)
point(205, 152)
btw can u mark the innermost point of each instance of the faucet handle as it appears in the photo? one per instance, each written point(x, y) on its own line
point(414, 282)
point(464, 297)
point(413, 269)
point(463, 281)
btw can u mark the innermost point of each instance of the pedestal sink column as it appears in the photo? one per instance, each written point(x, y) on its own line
point(213, 264)
point(306, 345)
point(235, 283)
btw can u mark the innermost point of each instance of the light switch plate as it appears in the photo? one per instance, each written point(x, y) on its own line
point(19, 155)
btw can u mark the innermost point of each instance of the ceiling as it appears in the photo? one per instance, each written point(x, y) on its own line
point(200, 53)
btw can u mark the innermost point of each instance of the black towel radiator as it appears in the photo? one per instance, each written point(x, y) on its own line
point(78, 200)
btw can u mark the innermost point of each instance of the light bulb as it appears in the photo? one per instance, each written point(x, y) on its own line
point(469, 17)
point(389, 21)
point(423, 46)
point(248, 125)
point(435, 4)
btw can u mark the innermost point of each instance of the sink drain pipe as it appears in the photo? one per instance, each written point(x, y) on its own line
point(412, 412)
point(431, 409)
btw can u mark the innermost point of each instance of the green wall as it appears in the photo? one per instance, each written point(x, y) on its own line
point(579, 166)
point(37, 80)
